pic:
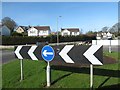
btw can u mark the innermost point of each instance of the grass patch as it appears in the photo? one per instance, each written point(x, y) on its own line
point(113, 54)
point(103, 76)
point(35, 76)
point(0, 75)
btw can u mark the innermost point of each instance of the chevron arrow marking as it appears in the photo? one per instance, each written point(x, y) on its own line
point(89, 54)
point(64, 52)
point(31, 54)
point(17, 52)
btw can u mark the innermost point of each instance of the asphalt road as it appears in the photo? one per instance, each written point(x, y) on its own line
point(7, 55)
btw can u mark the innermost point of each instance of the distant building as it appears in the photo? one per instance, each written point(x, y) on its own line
point(4, 30)
point(54, 33)
point(39, 31)
point(109, 35)
point(21, 29)
point(99, 36)
point(104, 36)
point(70, 31)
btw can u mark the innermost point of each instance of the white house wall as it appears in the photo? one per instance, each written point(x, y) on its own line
point(65, 32)
point(75, 33)
point(78, 33)
point(19, 30)
point(32, 32)
point(44, 33)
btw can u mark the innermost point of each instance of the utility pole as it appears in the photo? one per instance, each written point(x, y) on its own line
point(57, 31)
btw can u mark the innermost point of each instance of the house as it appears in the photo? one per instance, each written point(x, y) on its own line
point(21, 29)
point(39, 31)
point(99, 36)
point(70, 31)
point(53, 33)
point(104, 36)
point(109, 36)
point(4, 30)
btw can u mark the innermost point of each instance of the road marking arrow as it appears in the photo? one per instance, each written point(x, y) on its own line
point(64, 52)
point(89, 54)
point(31, 54)
point(45, 53)
point(17, 52)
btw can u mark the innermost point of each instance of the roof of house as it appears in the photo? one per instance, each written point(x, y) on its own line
point(23, 27)
point(71, 29)
point(42, 27)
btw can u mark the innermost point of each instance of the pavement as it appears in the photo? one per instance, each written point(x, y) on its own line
point(6, 56)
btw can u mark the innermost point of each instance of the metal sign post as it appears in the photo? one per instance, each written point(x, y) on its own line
point(21, 68)
point(48, 74)
point(48, 55)
point(91, 76)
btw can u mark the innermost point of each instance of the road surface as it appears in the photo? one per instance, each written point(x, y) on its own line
point(7, 55)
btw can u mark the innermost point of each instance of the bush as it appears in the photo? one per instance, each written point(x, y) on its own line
point(22, 40)
point(16, 34)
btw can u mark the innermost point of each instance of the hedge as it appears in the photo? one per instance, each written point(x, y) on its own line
point(20, 40)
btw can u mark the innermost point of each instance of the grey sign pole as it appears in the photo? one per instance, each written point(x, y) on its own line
point(48, 74)
point(21, 68)
point(91, 76)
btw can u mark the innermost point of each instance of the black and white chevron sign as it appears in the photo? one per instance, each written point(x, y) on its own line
point(28, 52)
point(84, 54)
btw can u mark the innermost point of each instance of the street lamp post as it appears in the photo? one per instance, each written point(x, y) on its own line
point(57, 31)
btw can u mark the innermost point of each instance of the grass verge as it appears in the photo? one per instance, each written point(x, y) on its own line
point(35, 75)
point(113, 54)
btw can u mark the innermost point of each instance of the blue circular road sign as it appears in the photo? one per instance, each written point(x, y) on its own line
point(47, 53)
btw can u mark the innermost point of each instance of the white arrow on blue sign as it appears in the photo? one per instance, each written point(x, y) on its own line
point(47, 53)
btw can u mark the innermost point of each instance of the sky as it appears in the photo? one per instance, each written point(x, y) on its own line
point(60, 0)
point(88, 16)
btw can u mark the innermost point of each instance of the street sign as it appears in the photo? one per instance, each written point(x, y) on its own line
point(82, 54)
point(17, 52)
point(74, 54)
point(47, 53)
point(28, 52)
point(89, 54)
point(63, 53)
